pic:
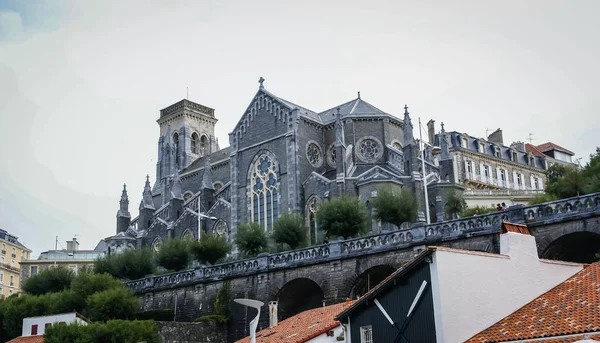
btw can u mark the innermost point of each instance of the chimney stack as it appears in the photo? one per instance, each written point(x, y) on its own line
point(496, 137)
point(272, 314)
point(73, 245)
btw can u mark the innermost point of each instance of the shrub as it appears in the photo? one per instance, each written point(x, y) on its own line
point(345, 217)
point(116, 303)
point(289, 229)
point(395, 206)
point(542, 198)
point(477, 210)
point(49, 281)
point(129, 264)
point(223, 299)
point(251, 239)
point(87, 284)
point(210, 249)
point(113, 331)
point(174, 254)
point(455, 203)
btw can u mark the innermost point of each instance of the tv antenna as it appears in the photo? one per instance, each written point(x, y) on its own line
point(530, 137)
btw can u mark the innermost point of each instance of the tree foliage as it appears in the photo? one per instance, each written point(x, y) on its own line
point(48, 281)
point(569, 181)
point(251, 239)
point(455, 203)
point(210, 249)
point(289, 229)
point(345, 217)
point(115, 303)
point(541, 198)
point(129, 264)
point(83, 296)
point(476, 210)
point(395, 206)
point(221, 306)
point(112, 331)
point(174, 254)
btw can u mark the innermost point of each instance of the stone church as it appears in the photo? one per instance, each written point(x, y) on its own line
point(282, 157)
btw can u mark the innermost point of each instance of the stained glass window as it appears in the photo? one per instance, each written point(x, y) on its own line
point(314, 234)
point(313, 154)
point(156, 244)
point(369, 150)
point(220, 228)
point(264, 185)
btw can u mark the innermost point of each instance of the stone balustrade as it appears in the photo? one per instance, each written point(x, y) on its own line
point(419, 234)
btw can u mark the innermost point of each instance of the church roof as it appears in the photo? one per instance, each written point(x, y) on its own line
point(354, 107)
point(214, 157)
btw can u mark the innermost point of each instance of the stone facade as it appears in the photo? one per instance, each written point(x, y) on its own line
point(177, 332)
point(282, 158)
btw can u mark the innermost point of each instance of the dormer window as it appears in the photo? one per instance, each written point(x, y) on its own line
point(481, 146)
point(465, 143)
point(514, 156)
point(497, 151)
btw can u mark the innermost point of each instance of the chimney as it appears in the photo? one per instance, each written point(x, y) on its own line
point(519, 146)
point(496, 137)
point(73, 245)
point(516, 242)
point(431, 131)
point(272, 314)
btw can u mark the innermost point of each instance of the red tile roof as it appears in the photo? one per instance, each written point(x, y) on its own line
point(518, 228)
point(302, 327)
point(27, 339)
point(571, 308)
point(550, 146)
point(534, 150)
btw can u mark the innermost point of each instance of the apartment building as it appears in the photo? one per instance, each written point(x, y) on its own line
point(12, 252)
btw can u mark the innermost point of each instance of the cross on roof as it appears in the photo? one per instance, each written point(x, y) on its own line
point(261, 80)
point(406, 109)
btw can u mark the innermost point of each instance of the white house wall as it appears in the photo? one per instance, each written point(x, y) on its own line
point(474, 290)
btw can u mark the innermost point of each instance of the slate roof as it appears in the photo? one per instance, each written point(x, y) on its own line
point(354, 107)
point(551, 146)
point(303, 326)
point(570, 308)
point(28, 339)
point(214, 157)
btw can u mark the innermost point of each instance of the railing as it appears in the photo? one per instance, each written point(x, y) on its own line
point(163, 212)
point(192, 203)
point(397, 239)
point(502, 192)
point(133, 225)
point(558, 209)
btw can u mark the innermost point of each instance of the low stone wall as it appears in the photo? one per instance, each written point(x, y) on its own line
point(206, 332)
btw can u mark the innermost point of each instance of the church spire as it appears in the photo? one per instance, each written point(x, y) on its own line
point(207, 177)
point(147, 196)
point(124, 203)
point(408, 128)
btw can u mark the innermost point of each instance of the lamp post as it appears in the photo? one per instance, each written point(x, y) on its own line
point(422, 150)
point(254, 322)
point(200, 217)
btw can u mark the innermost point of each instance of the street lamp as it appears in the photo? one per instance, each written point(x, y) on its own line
point(200, 217)
point(254, 323)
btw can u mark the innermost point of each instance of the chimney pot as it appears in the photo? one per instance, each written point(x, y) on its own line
point(272, 314)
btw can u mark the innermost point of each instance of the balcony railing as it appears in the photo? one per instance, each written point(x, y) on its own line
point(8, 266)
point(502, 192)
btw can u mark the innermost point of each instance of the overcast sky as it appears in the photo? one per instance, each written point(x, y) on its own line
point(82, 83)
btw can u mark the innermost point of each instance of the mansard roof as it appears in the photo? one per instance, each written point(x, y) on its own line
point(551, 146)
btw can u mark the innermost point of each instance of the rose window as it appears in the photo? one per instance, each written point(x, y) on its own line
point(313, 153)
point(369, 150)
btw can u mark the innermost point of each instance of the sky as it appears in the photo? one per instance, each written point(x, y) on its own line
point(82, 83)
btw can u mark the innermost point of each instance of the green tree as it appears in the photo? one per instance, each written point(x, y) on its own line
point(48, 281)
point(86, 284)
point(121, 331)
point(591, 173)
point(251, 239)
point(174, 254)
point(395, 206)
point(345, 217)
point(289, 229)
point(210, 249)
point(565, 181)
point(116, 303)
point(477, 210)
point(455, 203)
point(130, 264)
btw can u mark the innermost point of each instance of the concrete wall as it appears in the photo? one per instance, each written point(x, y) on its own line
point(474, 290)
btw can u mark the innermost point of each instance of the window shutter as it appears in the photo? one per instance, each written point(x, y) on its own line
point(481, 173)
point(498, 178)
point(523, 181)
point(466, 170)
point(515, 182)
point(532, 181)
point(541, 182)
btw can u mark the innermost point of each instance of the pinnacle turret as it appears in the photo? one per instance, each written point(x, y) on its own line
point(147, 196)
point(207, 177)
point(124, 203)
point(408, 128)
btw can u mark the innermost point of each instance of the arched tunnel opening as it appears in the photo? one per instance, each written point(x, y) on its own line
point(580, 247)
point(369, 279)
point(298, 295)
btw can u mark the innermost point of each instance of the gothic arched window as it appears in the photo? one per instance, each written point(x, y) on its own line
point(264, 189)
point(203, 146)
point(314, 234)
point(187, 235)
point(156, 244)
point(176, 141)
point(194, 143)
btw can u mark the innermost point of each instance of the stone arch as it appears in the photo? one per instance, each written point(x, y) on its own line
point(568, 240)
point(299, 295)
point(369, 279)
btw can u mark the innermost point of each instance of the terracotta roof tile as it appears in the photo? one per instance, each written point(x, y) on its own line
point(27, 339)
point(570, 308)
point(303, 326)
point(549, 146)
point(517, 228)
point(534, 150)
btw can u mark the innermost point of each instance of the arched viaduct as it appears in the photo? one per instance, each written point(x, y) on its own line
point(306, 278)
